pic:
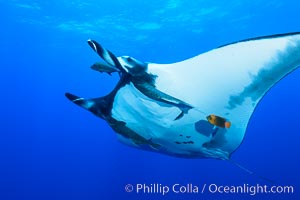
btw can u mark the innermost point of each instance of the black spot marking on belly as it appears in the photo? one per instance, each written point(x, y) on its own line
point(184, 142)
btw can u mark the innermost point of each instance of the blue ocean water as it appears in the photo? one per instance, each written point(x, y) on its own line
point(51, 149)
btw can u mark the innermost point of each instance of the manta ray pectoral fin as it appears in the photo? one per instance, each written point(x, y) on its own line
point(106, 55)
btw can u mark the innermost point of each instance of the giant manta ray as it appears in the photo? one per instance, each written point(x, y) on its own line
point(196, 108)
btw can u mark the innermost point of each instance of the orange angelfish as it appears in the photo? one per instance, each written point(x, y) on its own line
point(218, 121)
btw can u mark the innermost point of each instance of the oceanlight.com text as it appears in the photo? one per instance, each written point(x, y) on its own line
point(250, 189)
point(164, 189)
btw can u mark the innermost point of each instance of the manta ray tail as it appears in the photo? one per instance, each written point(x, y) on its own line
point(249, 171)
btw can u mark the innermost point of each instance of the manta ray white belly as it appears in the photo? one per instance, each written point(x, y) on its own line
point(228, 81)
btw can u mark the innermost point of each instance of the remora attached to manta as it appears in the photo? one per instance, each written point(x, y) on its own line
point(196, 108)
